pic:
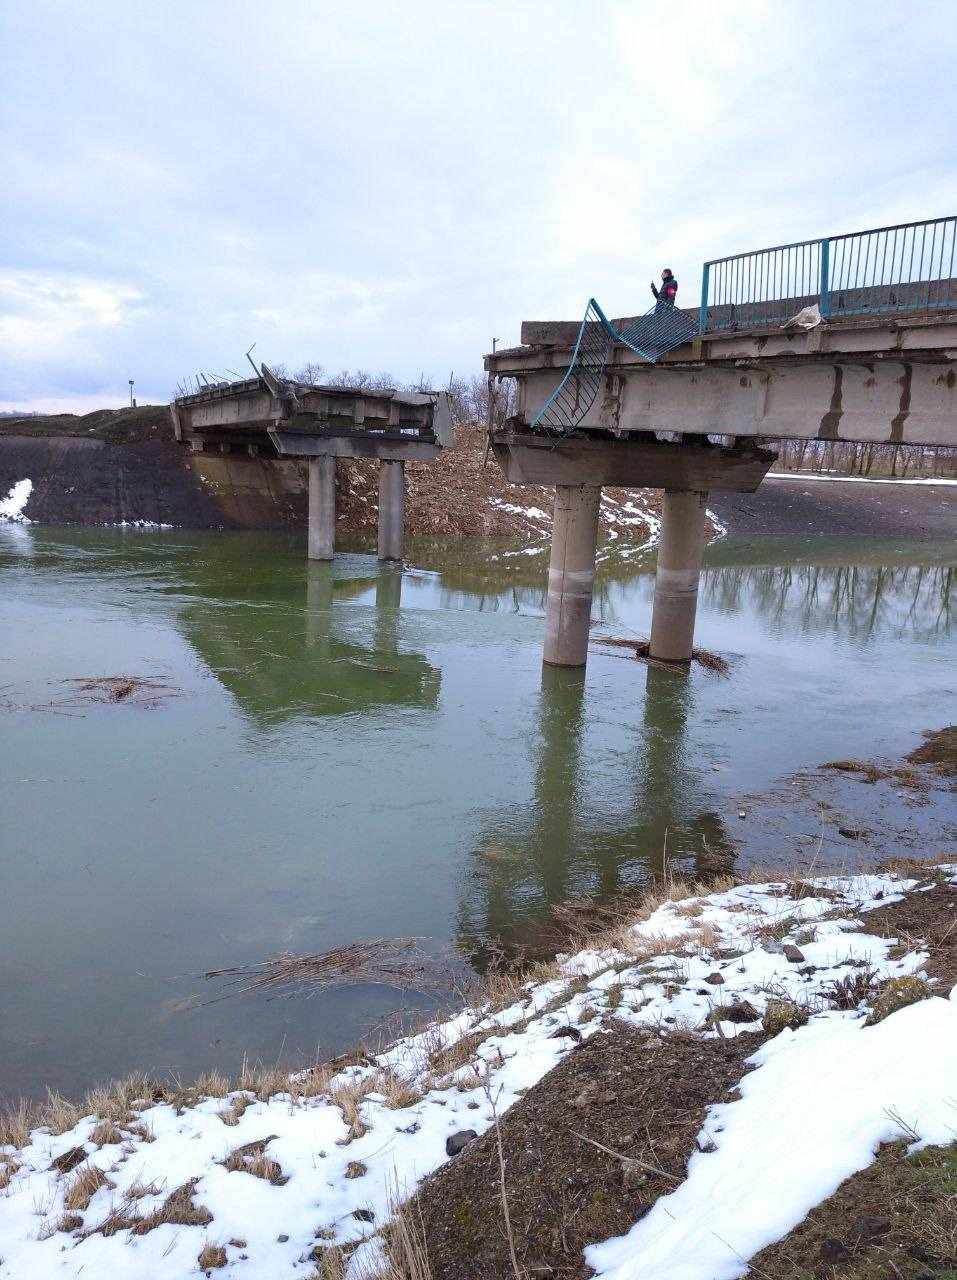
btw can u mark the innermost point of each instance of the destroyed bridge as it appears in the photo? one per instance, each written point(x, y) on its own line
point(852, 337)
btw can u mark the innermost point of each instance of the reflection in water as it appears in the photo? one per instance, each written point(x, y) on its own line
point(853, 600)
point(825, 586)
point(553, 849)
point(277, 672)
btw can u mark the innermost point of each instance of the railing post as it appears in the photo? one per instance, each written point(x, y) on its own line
point(703, 314)
point(824, 306)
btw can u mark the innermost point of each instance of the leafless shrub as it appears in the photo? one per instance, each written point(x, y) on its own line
point(848, 993)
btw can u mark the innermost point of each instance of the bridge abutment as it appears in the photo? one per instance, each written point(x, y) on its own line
point(571, 574)
point(391, 509)
point(322, 508)
point(680, 549)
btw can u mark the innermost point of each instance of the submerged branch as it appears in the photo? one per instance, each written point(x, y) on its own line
point(390, 962)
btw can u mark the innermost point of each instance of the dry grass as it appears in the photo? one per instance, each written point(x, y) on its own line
point(897, 1219)
point(398, 1093)
point(348, 1097)
point(8, 1167)
point(211, 1256)
point(252, 1159)
point(83, 1186)
point(406, 1252)
point(106, 1134)
point(232, 1114)
point(451, 1058)
point(176, 1210)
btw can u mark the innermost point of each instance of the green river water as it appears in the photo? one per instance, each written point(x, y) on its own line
point(360, 751)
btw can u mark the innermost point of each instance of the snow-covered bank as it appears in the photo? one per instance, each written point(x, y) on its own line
point(711, 963)
point(830, 475)
point(14, 504)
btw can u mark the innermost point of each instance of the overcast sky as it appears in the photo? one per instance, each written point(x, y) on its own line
point(389, 185)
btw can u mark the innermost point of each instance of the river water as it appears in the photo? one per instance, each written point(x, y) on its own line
point(359, 751)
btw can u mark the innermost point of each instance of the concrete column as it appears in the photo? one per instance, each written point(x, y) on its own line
point(322, 508)
point(391, 509)
point(676, 582)
point(571, 574)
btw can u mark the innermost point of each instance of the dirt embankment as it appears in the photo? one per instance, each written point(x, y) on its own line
point(112, 466)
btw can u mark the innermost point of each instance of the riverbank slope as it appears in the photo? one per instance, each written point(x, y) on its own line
point(691, 1084)
point(123, 466)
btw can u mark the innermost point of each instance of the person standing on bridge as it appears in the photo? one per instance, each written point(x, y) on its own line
point(665, 296)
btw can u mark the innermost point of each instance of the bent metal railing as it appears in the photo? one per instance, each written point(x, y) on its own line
point(909, 267)
point(662, 329)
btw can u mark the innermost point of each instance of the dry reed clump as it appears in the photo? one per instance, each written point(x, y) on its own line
point(252, 1159)
point(348, 1097)
point(58, 1115)
point(176, 1210)
point(333, 1262)
point(83, 1186)
point(106, 1134)
point(211, 1256)
point(451, 1058)
point(398, 1093)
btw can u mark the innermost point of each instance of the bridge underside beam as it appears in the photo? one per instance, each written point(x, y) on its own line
point(644, 464)
point(290, 444)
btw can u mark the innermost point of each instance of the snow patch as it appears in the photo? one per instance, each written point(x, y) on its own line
point(11, 507)
point(137, 524)
point(822, 475)
point(812, 1111)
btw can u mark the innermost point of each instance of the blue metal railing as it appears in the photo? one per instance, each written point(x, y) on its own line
point(909, 267)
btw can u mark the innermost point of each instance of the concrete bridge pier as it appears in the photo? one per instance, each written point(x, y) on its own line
point(680, 548)
point(391, 509)
point(322, 508)
point(571, 574)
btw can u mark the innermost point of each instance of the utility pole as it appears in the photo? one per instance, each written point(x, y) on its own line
point(490, 408)
point(132, 401)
